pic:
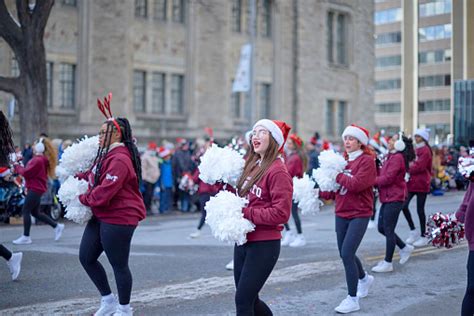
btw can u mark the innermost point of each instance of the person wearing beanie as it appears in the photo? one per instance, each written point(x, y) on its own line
point(166, 180)
point(36, 173)
point(354, 207)
point(419, 186)
point(296, 162)
point(268, 186)
point(392, 193)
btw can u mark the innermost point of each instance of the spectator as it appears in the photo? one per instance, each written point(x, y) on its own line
point(150, 174)
point(182, 164)
point(166, 180)
point(27, 153)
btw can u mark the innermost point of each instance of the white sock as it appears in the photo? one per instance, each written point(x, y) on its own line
point(355, 298)
point(108, 298)
point(364, 279)
point(125, 307)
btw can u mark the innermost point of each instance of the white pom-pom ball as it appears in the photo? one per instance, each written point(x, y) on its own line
point(221, 164)
point(306, 195)
point(331, 164)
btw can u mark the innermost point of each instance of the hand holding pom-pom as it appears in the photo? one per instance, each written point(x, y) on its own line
point(305, 195)
point(68, 194)
point(331, 164)
point(221, 164)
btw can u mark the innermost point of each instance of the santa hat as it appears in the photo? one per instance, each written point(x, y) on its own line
point(423, 133)
point(358, 132)
point(164, 152)
point(278, 129)
point(296, 139)
point(4, 171)
point(152, 146)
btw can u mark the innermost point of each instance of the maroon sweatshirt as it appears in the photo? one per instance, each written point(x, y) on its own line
point(35, 174)
point(465, 214)
point(391, 179)
point(116, 199)
point(270, 203)
point(420, 171)
point(355, 198)
point(294, 164)
point(203, 187)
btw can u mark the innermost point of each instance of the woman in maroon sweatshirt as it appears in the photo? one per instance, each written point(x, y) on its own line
point(419, 186)
point(117, 207)
point(268, 186)
point(392, 192)
point(354, 207)
point(36, 173)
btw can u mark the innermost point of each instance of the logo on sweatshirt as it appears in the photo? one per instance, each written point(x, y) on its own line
point(111, 178)
point(257, 191)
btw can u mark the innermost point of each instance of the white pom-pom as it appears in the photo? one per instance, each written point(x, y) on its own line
point(306, 195)
point(68, 194)
point(221, 164)
point(225, 218)
point(331, 164)
point(78, 157)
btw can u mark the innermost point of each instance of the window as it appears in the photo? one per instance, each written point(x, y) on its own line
point(237, 16)
point(141, 8)
point(434, 105)
point(388, 16)
point(434, 81)
point(336, 117)
point(341, 39)
point(389, 107)
point(235, 104)
point(330, 38)
point(341, 117)
point(159, 10)
point(388, 38)
point(178, 11)
point(49, 84)
point(139, 91)
point(158, 92)
point(435, 32)
point(435, 7)
point(390, 84)
point(266, 21)
point(14, 69)
point(389, 61)
point(337, 38)
point(67, 82)
point(434, 56)
point(177, 94)
point(439, 132)
point(265, 100)
point(330, 117)
point(71, 3)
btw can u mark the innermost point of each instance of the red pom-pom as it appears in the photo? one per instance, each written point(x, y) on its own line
point(443, 230)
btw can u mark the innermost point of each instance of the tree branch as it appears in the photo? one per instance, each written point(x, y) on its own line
point(41, 13)
point(9, 28)
point(23, 12)
point(10, 85)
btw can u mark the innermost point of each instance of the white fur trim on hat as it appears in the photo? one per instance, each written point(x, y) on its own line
point(423, 133)
point(357, 133)
point(273, 129)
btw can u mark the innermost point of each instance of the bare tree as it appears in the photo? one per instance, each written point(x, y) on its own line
point(25, 38)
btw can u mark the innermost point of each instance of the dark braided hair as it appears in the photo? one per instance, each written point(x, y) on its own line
point(409, 152)
point(6, 142)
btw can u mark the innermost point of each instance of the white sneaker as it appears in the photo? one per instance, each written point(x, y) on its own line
point(108, 306)
point(372, 224)
point(383, 266)
point(405, 253)
point(196, 234)
point(364, 285)
point(58, 231)
point(349, 304)
point(23, 240)
point(422, 241)
point(124, 311)
point(412, 238)
point(14, 264)
point(299, 241)
point(230, 265)
point(288, 238)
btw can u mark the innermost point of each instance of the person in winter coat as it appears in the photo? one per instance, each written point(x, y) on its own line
point(268, 186)
point(419, 186)
point(150, 174)
point(392, 192)
point(182, 164)
point(166, 180)
point(354, 207)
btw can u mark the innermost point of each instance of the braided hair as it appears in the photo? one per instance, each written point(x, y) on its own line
point(6, 142)
point(409, 152)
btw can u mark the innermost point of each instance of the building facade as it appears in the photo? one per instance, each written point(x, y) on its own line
point(170, 65)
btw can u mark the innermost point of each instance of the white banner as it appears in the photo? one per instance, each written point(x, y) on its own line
point(242, 77)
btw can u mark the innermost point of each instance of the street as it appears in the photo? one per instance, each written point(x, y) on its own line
point(175, 275)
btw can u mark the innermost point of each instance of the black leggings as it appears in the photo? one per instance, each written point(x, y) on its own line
point(115, 241)
point(296, 217)
point(5, 253)
point(203, 198)
point(468, 302)
point(253, 263)
point(32, 207)
point(349, 236)
point(420, 208)
point(388, 218)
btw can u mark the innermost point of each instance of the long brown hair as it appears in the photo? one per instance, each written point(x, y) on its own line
point(51, 153)
point(270, 155)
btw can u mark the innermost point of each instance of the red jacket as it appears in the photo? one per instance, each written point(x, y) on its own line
point(391, 179)
point(465, 214)
point(355, 198)
point(294, 165)
point(203, 187)
point(270, 203)
point(116, 199)
point(420, 171)
point(35, 174)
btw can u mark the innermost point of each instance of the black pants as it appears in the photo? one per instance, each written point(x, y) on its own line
point(420, 209)
point(468, 302)
point(203, 199)
point(148, 195)
point(296, 216)
point(388, 218)
point(115, 241)
point(253, 263)
point(32, 207)
point(5, 253)
point(349, 236)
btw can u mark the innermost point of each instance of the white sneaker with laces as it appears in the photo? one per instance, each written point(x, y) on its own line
point(364, 285)
point(196, 234)
point(349, 304)
point(299, 241)
point(372, 224)
point(230, 265)
point(23, 240)
point(412, 238)
point(124, 311)
point(108, 306)
point(14, 264)
point(405, 253)
point(58, 231)
point(288, 238)
point(422, 241)
point(383, 266)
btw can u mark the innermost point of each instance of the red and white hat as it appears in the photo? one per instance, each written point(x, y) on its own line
point(362, 134)
point(278, 129)
point(163, 152)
